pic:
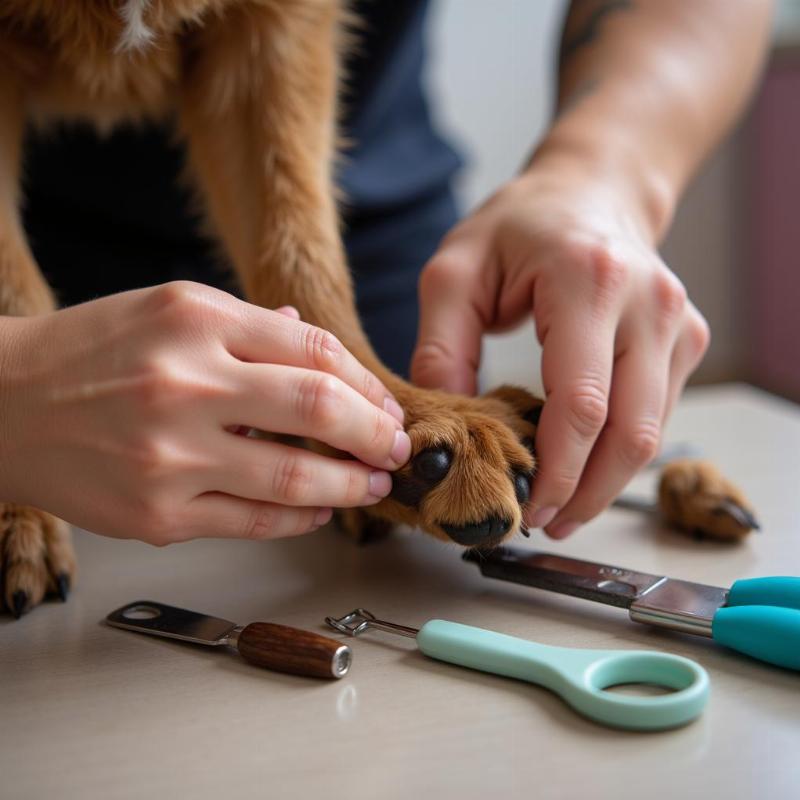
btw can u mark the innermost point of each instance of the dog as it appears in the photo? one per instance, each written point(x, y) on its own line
point(252, 87)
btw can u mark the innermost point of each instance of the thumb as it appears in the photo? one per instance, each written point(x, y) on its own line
point(448, 350)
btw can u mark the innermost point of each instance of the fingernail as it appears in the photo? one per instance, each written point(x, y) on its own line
point(544, 516)
point(391, 406)
point(323, 516)
point(562, 530)
point(380, 484)
point(401, 449)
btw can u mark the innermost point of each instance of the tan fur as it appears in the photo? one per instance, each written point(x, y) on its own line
point(690, 493)
point(251, 86)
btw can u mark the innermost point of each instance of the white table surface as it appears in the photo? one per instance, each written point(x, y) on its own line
point(91, 711)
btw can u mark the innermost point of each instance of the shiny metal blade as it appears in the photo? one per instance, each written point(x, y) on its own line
point(157, 619)
point(633, 503)
point(601, 583)
point(652, 599)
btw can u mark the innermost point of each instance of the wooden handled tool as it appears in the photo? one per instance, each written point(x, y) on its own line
point(265, 644)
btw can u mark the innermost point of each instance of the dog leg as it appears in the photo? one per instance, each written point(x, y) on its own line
point(258, 111)
point(36, 553)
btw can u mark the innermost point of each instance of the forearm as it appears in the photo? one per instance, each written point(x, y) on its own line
point(647, 88)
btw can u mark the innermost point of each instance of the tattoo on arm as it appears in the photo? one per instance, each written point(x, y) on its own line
point(584, 21)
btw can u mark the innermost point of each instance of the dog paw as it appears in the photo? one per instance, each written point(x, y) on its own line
point(472, 462)
point(695, 497)
point(36, 557)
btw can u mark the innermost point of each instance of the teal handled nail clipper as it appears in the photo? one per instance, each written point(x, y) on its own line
point(757, 616)
point(580, 677)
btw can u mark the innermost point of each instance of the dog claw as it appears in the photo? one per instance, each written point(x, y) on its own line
point(19, 601)
point(739, 514)
point(524, 531)
point(63, 586)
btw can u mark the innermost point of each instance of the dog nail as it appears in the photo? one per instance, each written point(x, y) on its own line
point(380, 484)
point(544, 516)
point(323, 517)
point(522, 487)
point(19, 601)
point(391, 406)
point(401, 450)
point(63, 586)
point(563, 529)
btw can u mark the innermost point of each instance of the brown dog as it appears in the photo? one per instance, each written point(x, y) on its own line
point(252, 85)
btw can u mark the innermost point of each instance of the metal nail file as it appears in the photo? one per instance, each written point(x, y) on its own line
point(757, 616)
point(265, 644)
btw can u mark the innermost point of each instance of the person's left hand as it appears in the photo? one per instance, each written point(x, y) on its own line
point(568, 243)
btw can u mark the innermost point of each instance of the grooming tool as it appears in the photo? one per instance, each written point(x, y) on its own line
point(265, 644)
point(580, 677)
point(757, 616)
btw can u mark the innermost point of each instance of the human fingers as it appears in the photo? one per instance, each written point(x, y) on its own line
point(277, 473)
point(288, 311)
point(217, 515)
point(304, 402)
point(629, 440)
point(689, 350)
point(263, 336)
point(451, 324)
point(577, 357)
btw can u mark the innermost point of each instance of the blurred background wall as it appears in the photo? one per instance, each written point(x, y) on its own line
point(492, 77)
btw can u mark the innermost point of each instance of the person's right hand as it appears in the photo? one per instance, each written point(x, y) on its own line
point(118, 416)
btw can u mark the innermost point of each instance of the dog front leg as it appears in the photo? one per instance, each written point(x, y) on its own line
point(258, 113)
point(36, 553)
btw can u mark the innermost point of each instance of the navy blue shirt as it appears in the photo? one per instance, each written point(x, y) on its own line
point(105, 214)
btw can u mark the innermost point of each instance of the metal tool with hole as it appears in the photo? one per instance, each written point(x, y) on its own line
point(265, 644)
point(580, 677)
point(756, 616)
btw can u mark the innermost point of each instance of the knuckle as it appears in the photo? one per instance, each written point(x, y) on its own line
point(323, 350)
point(429, 357)
point(561, 488)
point(382, 431)
point(607, 272)
point(181, 300)
point(320, 400)
point(152, 457)
point(370, 386)
point(640, 445)
point(439, 274)
point(263, 523)
point(699, 335)
point(157, 383)
point(587, 409)
point(292, 481)
point(670, 295)
point(354, 488)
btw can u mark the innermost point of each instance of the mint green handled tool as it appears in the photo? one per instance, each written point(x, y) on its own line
point(759, 616)
point(580, 677)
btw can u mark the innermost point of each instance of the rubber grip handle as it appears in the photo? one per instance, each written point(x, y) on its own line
point(768, 633)
point(299, 652)
point(777, 591)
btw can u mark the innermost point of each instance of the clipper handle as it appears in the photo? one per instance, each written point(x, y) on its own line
point(299, 652)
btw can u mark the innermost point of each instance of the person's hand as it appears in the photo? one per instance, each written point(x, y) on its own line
point(120, 415)
point(619, 337)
